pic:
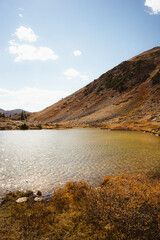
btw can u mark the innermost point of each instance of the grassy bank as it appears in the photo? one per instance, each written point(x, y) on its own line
point(121, 124)
point(125, 207)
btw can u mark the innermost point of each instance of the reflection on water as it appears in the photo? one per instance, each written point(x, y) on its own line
point(48, 158)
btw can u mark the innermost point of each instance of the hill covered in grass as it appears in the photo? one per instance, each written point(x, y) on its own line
point(127, 95)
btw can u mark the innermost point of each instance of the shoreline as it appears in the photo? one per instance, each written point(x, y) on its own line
point(146, 127)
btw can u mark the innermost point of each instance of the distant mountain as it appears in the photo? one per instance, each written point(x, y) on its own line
point(128, 92)
point(8, 113)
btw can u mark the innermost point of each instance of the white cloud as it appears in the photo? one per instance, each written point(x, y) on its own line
point(154, 5)
point(21, 9)
point(77, 53)
point(20, 15)
point(25, 34)
point(31, 99)
point(84, 77)
point(30, 53)
point(71, 73)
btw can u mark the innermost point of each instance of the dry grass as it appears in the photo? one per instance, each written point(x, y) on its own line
point(125, 207)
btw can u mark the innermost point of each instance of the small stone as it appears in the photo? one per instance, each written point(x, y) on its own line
point(37, 199)
point(21, 200)
point(39, 193)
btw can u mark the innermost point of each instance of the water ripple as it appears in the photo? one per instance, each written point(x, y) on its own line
point(46, 159)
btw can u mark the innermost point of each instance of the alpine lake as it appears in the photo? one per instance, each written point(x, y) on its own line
point(46, 159)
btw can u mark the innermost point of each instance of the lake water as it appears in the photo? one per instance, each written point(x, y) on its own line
point(45, 159)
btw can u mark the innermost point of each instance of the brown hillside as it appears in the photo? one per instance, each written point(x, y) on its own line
point(130, 92)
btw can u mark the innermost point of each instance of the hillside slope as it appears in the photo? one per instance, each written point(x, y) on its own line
point(128, 92)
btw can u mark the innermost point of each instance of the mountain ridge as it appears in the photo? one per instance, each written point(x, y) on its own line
point(8, 113)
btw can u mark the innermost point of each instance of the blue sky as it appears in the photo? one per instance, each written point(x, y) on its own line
point(51, 48)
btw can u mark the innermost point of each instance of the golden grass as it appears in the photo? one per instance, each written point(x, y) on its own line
point(125, 207)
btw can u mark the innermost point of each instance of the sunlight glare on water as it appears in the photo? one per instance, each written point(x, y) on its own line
point(44, 159)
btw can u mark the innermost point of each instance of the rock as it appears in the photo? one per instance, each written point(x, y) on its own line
point(21, 200)
point(39, 193)
point(37, 199)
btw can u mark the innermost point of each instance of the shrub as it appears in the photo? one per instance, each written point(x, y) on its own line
point(125, 207)
point(39, 126)
point(24, 127)
point(99, 89)
point(105, 180)
point(2, 115)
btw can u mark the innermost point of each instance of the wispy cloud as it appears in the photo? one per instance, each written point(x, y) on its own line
point(20, 15)
point(77, 53)
point(30, 53)
point(25, 34)
point(72, 73)
point(21, 9)
point(84, 77)
point(154, 5)
point(24, 98)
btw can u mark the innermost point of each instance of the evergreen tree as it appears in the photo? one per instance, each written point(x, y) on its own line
point(22, 115)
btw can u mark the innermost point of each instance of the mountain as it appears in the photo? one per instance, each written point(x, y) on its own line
point(8, 113)
point(128, 93)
